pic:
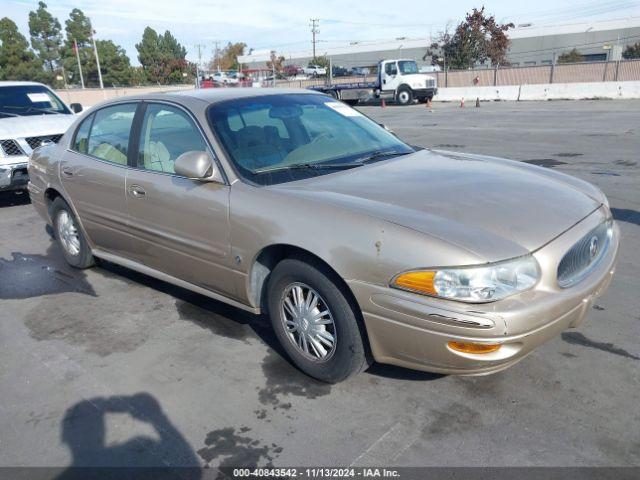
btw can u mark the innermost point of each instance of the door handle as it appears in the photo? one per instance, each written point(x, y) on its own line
point(67, 171)
point(137, 191)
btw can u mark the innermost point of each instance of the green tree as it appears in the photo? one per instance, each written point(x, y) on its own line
point(114, 64)
point(78, 28)
point(322, 61)
point(163, 59)
point(572, 56)
point(46, 37)
point(477, 39)
point(632, 51)
point(17, 62)
point(227, 58)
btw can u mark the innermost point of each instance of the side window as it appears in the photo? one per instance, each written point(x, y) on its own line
point(109, 135)
point(390, 69)
point(81, 141)
point(167, 132)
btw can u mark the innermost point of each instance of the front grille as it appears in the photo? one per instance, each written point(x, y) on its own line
point(584, 255)
point(11, 148)
point(35, 142)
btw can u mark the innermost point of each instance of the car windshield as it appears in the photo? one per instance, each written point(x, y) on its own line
point(19, 100)
point(408, 67)
point(279, 138)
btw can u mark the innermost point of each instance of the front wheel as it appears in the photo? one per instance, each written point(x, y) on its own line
point(404, 96)
point(74, 246)
point(314, 321)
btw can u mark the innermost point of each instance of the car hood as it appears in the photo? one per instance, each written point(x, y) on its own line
point(35, 125)
point(494, 208)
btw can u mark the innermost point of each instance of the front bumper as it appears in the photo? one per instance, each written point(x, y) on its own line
point(14, 176)
point(413, 331)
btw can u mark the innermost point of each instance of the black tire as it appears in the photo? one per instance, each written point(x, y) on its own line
point(352, 102)
point(333, 93)
point(82, 259)
point(404, 96)
point(349, 355)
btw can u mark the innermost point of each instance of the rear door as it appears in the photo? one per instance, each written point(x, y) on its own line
point(94, 171)
point(179, 226)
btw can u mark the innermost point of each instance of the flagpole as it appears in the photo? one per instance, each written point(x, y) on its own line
point(75, 47)
point(95, 50)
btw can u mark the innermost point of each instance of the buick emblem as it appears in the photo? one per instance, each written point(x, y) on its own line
point(593, 247)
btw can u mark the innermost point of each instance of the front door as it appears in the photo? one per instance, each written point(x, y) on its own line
point(179, 226)
point(390, 79)
point(93, 173)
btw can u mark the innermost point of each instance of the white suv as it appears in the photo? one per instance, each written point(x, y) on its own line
point(30, 114)
point(315, 70)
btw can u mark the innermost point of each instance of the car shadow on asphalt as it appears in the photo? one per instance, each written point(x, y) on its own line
point(234, 323)
point(14, 199)
point(165, 455)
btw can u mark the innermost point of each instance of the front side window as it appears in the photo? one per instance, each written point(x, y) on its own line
point(278, 138)
point(408, 67)
point(167, 132)
point(23, 100)
point(109, 134)
point(390, 69)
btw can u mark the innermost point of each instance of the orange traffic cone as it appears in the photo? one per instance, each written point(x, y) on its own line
point(462, 103)
point(384, 105)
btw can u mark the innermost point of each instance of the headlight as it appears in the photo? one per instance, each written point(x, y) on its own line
point(483, 283)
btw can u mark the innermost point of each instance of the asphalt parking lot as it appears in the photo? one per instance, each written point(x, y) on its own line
point(109, 367)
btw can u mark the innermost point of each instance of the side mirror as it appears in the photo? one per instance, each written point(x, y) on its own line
point(75, 107)
point(197, 165)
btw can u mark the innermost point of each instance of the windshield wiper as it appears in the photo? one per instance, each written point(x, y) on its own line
point(31, 109)
point(313, 166)
point(379, 154)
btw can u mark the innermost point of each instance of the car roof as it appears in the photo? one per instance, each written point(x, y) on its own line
point(17, 84)
point(215, 95)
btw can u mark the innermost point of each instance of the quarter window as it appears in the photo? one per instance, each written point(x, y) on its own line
point(109, 134)
point(80, 143)
point(167, 132)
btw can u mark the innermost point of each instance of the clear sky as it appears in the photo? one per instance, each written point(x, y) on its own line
point(283, 25)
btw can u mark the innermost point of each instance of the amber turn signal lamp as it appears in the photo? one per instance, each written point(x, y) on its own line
point(477, 348)
point(421, 281)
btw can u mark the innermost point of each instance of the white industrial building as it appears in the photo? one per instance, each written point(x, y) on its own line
point(530, 45)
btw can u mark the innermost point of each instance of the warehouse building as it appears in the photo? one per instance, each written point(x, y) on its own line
point(530, 45)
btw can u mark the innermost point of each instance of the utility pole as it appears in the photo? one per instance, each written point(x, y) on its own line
point(95, 50)
point(75, 47)
point(217, 55)
point(199, 64)
point(314, 31)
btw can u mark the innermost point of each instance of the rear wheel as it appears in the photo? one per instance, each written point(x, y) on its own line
point(74, 246)
point(352, 102)
point(404, 96)
point(314, 322)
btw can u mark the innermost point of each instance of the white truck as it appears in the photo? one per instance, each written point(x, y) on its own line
point(398, 80)
point(30, 115)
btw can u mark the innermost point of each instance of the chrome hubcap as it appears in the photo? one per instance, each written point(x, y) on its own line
point(308, 322)
point(404, 97)
point(68, 233)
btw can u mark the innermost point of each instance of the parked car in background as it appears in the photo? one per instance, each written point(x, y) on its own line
point(358, 246)
point(30, 115)
point(338, 71)
point(360, 71)
point(292, 71)
point(224, 78)
point(315, 70)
